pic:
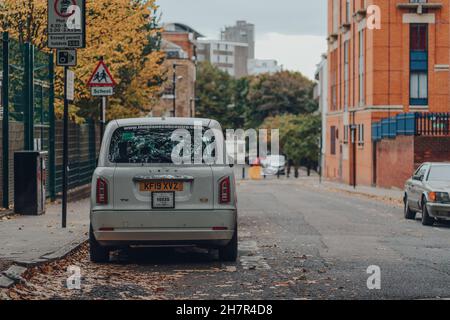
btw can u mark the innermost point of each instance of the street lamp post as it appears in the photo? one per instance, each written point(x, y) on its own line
point(174, 88)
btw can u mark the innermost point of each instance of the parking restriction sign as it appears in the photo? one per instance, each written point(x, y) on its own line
point(66, 24)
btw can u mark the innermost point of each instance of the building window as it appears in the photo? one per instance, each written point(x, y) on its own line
point(361, 69)
point(419, 37)
point(346, 73)
point(333, 140)
point(419, 88)
point(418, 64)
point(361, 135)
point(347, 11)
point(333, 81)
point(335, 16)
point(346, 128)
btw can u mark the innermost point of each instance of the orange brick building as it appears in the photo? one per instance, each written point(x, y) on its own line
point(376, 73)
point(178, 98)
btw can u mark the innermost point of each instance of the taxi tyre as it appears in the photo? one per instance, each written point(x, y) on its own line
point(229, 253)
point(98, 254)
point(409, 214)
point(426, 219)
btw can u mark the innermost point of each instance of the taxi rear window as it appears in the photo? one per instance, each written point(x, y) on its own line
point(150, 144)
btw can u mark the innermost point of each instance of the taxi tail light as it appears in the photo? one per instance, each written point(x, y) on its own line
point(102, 191)
point(225, 191)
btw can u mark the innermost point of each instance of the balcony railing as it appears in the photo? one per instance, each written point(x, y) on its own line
point(412, 124)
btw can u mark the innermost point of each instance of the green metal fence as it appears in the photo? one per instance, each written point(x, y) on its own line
point(83, 153)
point(28, 120)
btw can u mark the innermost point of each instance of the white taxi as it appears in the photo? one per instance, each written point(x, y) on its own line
point(141, 196)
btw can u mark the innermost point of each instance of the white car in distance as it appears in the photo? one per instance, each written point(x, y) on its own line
point(140, 197)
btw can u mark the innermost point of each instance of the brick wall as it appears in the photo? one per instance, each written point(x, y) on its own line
point(181, 39)
point(431, 149)
point(79, 141)
point(16, 143)
point(1, 163)
point(395, 161)
point(185, 104)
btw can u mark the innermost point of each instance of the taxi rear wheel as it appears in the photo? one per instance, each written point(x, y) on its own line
point(98, 254)
point(229, 253)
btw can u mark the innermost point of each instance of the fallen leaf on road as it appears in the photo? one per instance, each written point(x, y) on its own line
point(283, 284)
point(223, 286)
point(230, 269)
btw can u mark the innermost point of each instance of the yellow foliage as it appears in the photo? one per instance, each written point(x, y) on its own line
point(119, 31)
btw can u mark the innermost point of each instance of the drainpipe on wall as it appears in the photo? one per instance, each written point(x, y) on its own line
point(353, 131)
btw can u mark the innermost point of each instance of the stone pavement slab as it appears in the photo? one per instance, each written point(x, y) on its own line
point(29, 240)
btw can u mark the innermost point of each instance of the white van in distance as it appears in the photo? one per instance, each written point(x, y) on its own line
point(141, 197)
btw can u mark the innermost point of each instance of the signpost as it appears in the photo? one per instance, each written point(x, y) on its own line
point(66, 32)
point(66, 24)
point(70, 94)
point(102, 91)
point(102, 85)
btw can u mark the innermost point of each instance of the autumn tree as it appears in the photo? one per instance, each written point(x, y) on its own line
point(121, 31)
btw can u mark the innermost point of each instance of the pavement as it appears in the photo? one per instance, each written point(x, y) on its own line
point(298, 239)
point(32, 240)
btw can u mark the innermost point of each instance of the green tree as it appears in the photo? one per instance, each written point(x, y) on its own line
point(218, 93)
point(278, 94)
point(299, 138)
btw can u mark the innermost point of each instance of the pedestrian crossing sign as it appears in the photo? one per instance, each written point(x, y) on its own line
point(101, 77)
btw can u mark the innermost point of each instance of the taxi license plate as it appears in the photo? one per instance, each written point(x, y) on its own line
point(161, 186)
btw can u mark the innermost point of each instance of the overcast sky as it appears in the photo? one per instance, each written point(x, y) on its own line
point(291, 31)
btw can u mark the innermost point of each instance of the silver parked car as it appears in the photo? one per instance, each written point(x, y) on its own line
point(274, 165)
point(428, 192)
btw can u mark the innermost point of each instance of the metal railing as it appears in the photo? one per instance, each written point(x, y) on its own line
point(409, 124)
point(28, 120)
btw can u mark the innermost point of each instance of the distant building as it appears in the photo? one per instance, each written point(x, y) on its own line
point(242, 32)
point(231, 57)
point(179, 45)
point(183, 36)
point(321, 96)
point(259, 66)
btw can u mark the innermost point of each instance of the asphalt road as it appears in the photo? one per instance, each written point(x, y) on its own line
point(297, 241)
